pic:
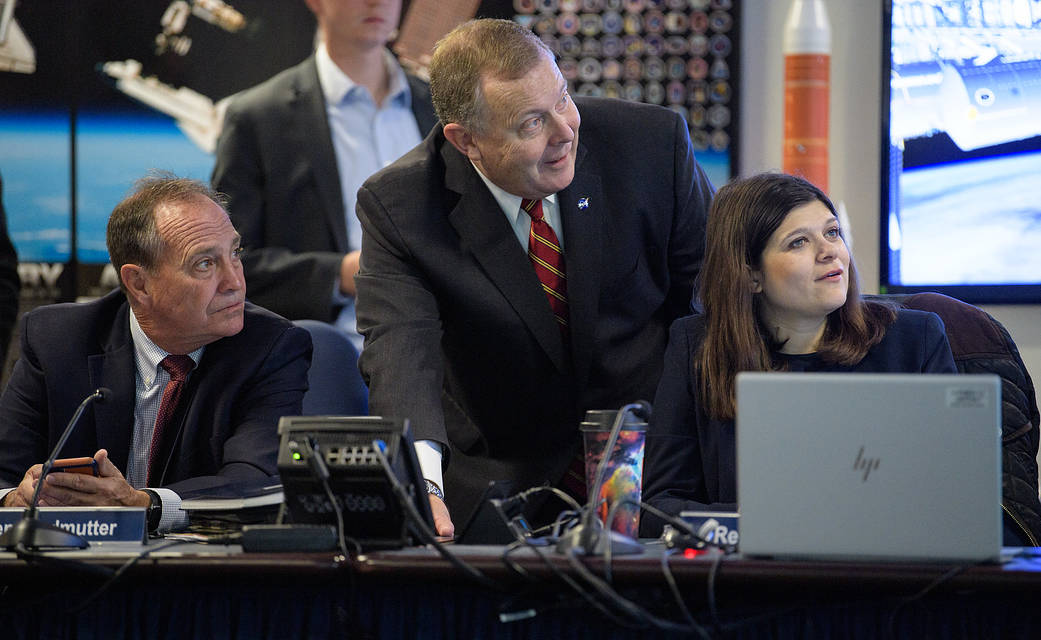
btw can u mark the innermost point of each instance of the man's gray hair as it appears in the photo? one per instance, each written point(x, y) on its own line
point(132, 236)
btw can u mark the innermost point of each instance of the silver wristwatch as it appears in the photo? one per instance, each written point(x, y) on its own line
point(435, 490)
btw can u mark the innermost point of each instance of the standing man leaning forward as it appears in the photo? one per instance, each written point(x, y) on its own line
point(295, 149)
point(182, 294)
point(461, 335)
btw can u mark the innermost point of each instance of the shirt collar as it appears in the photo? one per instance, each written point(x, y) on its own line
point(148, 355)
point(509, 203)
point(337, 85)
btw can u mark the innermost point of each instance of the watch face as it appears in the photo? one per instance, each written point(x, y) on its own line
point(154, 512)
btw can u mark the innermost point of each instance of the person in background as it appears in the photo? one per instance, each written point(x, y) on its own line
point(199, 378)
point(515, 273)
point(10, 284)
point(779, 292)
point(294, 150)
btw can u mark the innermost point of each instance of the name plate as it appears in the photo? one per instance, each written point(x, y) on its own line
point(718, 527)
point(93, 524)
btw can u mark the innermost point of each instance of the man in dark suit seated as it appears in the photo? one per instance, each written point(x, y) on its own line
point(295, 149)
point(514, 274)
point(198, 377)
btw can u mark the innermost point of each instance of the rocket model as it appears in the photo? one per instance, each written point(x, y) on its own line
point(807, 54)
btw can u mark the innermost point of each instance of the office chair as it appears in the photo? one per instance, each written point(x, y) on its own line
point(335, 386)
point(981, 344)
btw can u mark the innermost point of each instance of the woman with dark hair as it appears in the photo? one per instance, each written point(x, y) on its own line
point(779, 292)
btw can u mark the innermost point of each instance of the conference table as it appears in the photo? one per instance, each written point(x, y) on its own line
point(187, 590)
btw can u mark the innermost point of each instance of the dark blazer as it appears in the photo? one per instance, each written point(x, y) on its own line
point(690, 459)
point(459, 337)
point(227, 430)
point(276, 164)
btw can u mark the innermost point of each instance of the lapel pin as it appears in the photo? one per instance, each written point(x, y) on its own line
point(583, 203)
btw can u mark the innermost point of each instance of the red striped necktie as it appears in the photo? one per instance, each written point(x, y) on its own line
point(548, 259)
point(178, 367)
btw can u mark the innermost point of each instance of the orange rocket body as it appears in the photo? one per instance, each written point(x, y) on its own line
point(806, 92)
point(807, 58)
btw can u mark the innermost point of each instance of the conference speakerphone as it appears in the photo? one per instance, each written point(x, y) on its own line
point(325, 457)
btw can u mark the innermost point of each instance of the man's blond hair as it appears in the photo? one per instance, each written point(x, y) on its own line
point(474, 50)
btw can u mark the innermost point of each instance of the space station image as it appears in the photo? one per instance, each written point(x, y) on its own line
point(196, 115)
point(127, 86)
point(965, 142)
point(16, 52)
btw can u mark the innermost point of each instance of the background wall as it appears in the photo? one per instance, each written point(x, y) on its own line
point(856, 33)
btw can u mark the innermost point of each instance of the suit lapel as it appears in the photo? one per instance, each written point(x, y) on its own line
point(114, 369)
point(315, 148)
point(582, 212)
point(479, 221)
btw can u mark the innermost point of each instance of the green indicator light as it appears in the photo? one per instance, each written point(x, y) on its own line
point(296, 455)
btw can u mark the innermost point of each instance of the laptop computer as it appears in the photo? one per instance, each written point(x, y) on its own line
point(869, 466)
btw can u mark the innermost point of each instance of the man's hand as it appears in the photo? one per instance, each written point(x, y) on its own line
point(348, 268)
point(442, 521)
point(23, 494)
point(77, 489)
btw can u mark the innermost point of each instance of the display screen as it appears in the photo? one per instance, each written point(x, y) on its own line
point(961, 152)
point(95, 93)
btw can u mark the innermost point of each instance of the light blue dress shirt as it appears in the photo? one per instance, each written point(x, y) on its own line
point(366, 137)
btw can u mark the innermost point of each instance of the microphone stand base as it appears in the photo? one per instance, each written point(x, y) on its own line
point(620, 544)
point(31, 534)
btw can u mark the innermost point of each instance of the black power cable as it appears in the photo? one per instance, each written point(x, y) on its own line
point(419, 525)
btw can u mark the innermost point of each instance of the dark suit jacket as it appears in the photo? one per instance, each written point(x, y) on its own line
point(276, 164)
point(227, 421)
point(459, 337)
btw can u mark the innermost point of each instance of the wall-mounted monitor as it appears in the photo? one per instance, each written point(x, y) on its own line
point(95, 93)
point(961, 149)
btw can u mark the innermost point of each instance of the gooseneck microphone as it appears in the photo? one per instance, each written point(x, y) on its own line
point(31, 534)
point(586, 537)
